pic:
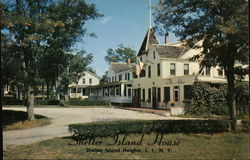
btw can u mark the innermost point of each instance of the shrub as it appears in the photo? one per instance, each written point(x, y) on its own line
point(47, 102)
point(87, 102)
point(105, 129)
point(207, 100)
point(13, 101)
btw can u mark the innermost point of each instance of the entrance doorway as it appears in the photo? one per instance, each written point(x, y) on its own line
point(136, 98)
point(176, 94)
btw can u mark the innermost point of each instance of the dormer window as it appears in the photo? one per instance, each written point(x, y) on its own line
point(154, 54)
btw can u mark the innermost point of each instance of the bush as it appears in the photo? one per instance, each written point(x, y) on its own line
point(13, 101)
point(87, 102)
point(47, 102)
point(207, 100)
point(105, 129)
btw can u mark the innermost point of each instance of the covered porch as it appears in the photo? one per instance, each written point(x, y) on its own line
point(116, 92)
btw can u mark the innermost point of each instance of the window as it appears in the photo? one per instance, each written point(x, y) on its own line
point(134, 75)
point(128, 76)
point(129, 93)
point(172, 68)
point(83, 81)
point(115, 78)
point(143, 95)
point(159, 95)
point(141, 59)
point(117, 90)
point(84, 91)
point(187, 92)
point(158, 69)
point(207, 71)
point(143, 73)
point(154, 54)
point(186, 69)
point(112, 79)
point(149, 71)
point(73, 90)
point(90, 81)
point(79, 90)
point(149, 95)
point(125, 90)
point(129, 85)
point(120, 77)
point(220, 72)
point(112, 91)
point(166, 94)
point(109, 79)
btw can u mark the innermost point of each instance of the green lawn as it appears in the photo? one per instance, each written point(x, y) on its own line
point(191, 146)
point(12, 120)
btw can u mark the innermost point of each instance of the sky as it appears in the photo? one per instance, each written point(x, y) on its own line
point(124, 22)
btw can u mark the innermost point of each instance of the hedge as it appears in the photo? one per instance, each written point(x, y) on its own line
point(206, 100)
point(87, 102)
point(105, 129)
point(13, 101)
point(47, 102)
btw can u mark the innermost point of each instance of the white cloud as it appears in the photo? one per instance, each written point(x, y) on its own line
point(105, 20)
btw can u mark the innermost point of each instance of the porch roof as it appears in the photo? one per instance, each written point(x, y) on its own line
point(106, 84)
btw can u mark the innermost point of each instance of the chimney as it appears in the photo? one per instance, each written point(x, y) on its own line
point(166, 38)
point(129, 61)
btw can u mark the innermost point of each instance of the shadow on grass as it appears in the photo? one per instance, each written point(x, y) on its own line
point(10, 117)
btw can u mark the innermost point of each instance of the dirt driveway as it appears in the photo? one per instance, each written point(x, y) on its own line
point(62, 117)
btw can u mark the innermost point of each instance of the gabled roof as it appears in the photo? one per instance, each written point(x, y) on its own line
point(166, 51)
point(119, 67)
point(93, 74)
point(149, 39)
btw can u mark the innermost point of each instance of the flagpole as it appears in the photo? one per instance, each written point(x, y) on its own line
point(150, 14)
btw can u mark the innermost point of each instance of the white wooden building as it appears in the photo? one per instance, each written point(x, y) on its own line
point(81, 89)
point(166, 76)
point(119, 86)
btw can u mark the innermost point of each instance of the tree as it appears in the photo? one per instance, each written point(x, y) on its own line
point(78, 64)
point(221, 25)
point(104, 78)
point(90, 69)
point(121, 54)
point(35, 28)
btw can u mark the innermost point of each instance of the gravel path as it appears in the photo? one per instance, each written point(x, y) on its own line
point(62, 117)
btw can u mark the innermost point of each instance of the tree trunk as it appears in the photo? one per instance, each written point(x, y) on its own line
point(30, 103)
point(76, 91)
point(231, 97)
point(42, 91)
point(48, 90)
point(67, 95)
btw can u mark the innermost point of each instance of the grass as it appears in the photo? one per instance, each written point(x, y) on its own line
point(13, 120)
point(192, 146)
